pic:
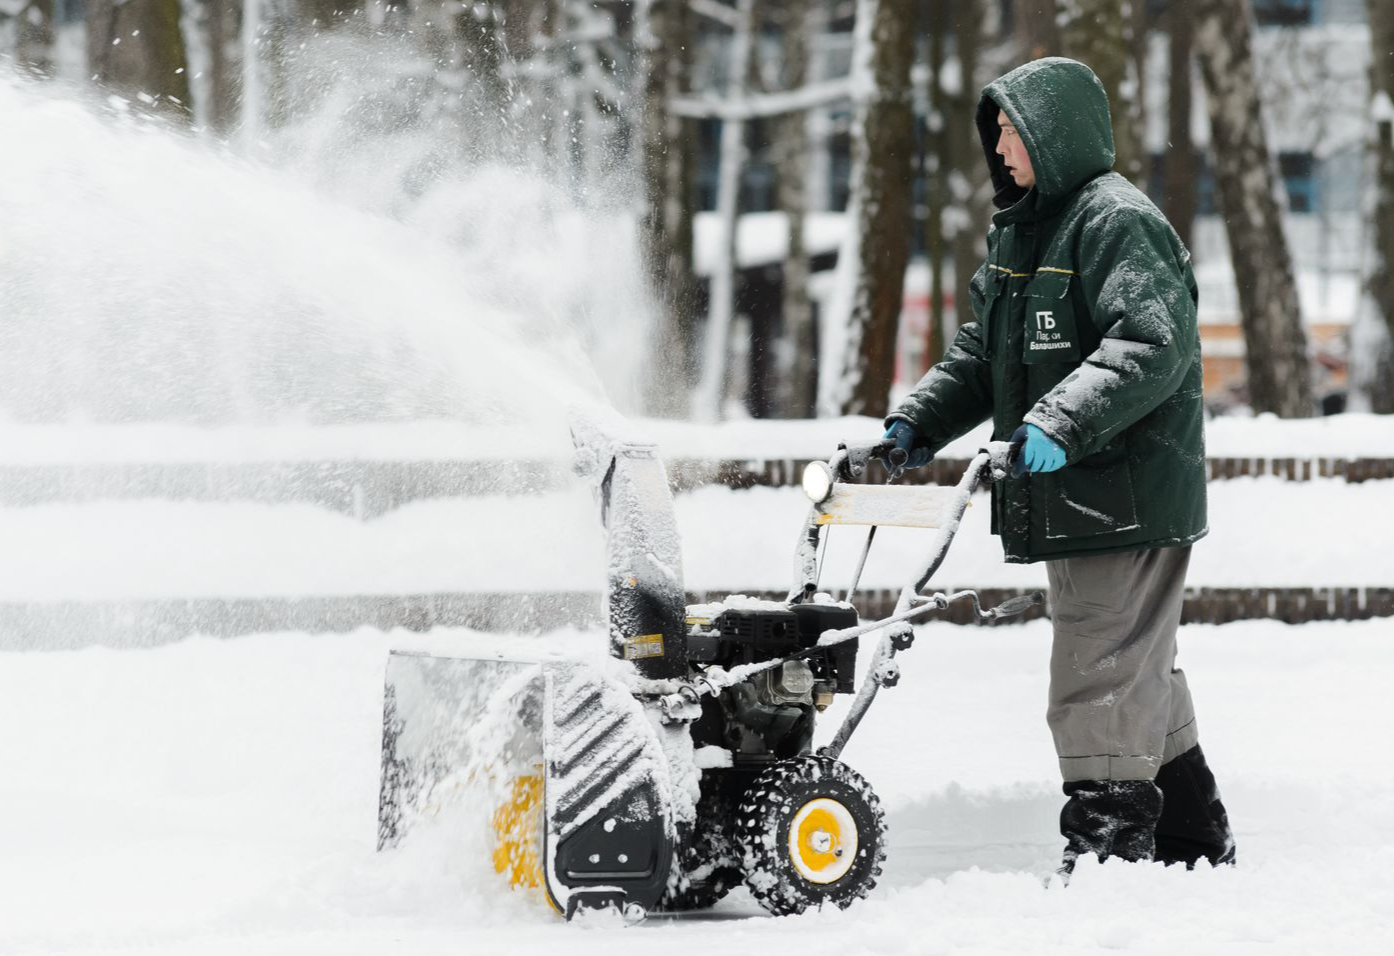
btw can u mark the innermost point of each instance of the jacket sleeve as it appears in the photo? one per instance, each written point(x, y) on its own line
point(1144, 302)
point(956, 394)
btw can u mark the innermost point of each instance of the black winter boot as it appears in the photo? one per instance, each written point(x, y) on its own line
point(1115, 818)
point(1193, 824)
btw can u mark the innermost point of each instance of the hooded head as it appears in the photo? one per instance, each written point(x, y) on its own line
point(1060, 110)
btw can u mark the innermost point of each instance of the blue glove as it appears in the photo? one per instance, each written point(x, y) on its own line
point(1039, 453)
point(905, 436)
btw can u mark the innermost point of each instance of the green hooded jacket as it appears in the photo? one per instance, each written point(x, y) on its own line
point(1086, 328)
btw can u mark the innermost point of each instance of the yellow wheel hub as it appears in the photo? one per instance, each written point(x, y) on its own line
point(518, 834)
point(823, 841)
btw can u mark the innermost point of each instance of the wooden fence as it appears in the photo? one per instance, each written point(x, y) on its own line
point(1203, 605)
point(368, 488)
point(777, 472)
point(144, 623)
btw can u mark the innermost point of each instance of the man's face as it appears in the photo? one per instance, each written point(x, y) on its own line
point(1013, 152)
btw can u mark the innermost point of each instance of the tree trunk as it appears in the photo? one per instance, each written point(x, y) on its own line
point(798, 366)
point(1381, 280)
point(711, 388)
point(1246, 181)
point(29, 27)
point(972, 191)
point(479, 56)
point(136, 50)
point(270, 37)
point(938, 168)
point(225, 64)
point(324, 14)
point(871, 264)
point(820, 121)
point(667, 166)
point(1179, 166)
point(1037, 28)
point(1099, 33)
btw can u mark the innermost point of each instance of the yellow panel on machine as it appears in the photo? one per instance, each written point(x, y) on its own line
point(518, 834)
point(573, 770)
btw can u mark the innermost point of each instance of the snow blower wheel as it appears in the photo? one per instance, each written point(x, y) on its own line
point(811, 831)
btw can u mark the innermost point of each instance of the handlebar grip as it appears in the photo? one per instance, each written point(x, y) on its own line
point(1017, 604)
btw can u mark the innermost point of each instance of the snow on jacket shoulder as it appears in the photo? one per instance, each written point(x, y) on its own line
point(1086, 328)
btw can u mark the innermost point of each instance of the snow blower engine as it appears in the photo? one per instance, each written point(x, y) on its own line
point(682, 764)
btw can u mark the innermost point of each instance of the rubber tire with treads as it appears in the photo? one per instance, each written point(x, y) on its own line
point(763, 822)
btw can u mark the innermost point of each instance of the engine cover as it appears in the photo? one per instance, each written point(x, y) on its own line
point(754, 632)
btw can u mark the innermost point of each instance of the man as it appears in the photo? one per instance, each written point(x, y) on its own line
point(1087, 345)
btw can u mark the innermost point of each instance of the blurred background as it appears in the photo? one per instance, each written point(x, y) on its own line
point(297, 299)
point(791, 195)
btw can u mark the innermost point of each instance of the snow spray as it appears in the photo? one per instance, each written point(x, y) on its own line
point(332, 267)
point(149, 275)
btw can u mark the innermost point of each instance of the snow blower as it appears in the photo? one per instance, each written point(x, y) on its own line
point(682, 765)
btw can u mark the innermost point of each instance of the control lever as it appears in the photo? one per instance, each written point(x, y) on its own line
point(1013, 606)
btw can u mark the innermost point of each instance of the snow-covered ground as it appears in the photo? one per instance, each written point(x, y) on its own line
point(1265, 532)
point(220, 797)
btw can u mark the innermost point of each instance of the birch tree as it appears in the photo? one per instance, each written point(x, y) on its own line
point(798, 23)
point(26, 26)
point(711, 387)
point(667, 163)
point(222, 25)
point(1101, 34)
point(135, 49)
point(1279, 372)
point(1380, 386)
point(870, 281)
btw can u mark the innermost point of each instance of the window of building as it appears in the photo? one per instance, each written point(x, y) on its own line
point(839, 170)
point(1299, 178)
point(1286, 13)
point(1205, 184)
point(1298, 169)
point(758, 178)
point(1268, 13)
point(69, 11)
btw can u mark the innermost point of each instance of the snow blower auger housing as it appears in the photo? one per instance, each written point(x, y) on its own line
point(683, 765)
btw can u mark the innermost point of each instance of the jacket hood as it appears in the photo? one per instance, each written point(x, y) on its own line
point(1061, 111)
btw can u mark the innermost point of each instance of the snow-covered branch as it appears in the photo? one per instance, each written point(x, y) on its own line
point(756, 105)
point(724, 15)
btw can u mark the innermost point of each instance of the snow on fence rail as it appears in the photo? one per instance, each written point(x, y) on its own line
point(948, 471)
point(370, 488)
point(145, 623)
point(1203, 605)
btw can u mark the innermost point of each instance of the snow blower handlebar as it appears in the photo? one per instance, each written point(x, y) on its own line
point(992, 463)
point(821, 482)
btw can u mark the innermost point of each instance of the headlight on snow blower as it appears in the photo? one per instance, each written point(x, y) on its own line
point(818, 481)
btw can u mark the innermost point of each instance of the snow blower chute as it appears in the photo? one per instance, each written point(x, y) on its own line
point(684, 764)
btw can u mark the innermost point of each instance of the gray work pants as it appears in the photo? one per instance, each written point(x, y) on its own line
point(1119, 708)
